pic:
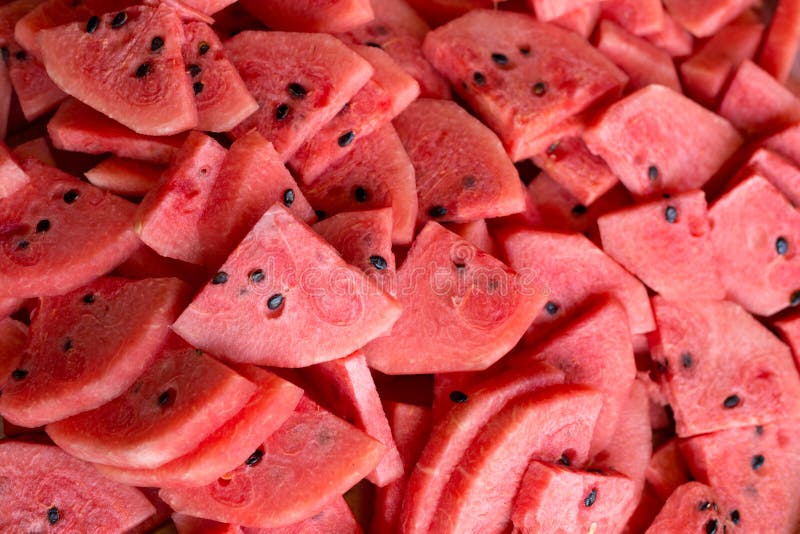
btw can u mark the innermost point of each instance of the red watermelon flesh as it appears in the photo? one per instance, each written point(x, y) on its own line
point(40, 483)
point(377, 173)
point(186, 524)
point(540, 425)
point(126, 177)
point(229, 445)
point(36, 92)
point(568, 74)
point(451, 437)
point(786, 143)
point(672, 38)
point(667, 470)
point(208, 6)
point(453, 296)
point(757, 468)
point(781, 43)
point(39, 258)
point(144, 262)
point(78, 128)
point(547, 10)
point(692, 507)
point(448, 389)
point(639, 17)
point(407, 53)
point(754, 231)
point(705, 18)
point(780, 172)
point(300, 81)
point(12, 178)
point(6, 92)
point(789, 329)
point(335, 518)
point(283, 282)
point(13, 335)
point(555, 498)
point(720, 368)
point(581, 21)
point(364, 239)
point(572, 269)
point(310, 460)
point(346, 386)
point(667, 244)
point(159, 518)
point(74, 362)
point(311, 15)
point(477, 233)
point(643, 62)
point(657, 140)
point(37, 148)
point(438, 12)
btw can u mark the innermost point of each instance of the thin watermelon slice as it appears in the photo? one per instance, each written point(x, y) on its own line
point(221, 95)
point(40, 224)
point(692, 507)
point(12, 177)
point(229, 445)
point(295, 287)
point(462, 171)
point(667, 244)
point(667, 470)
point(581, 21)
point(754, 231)
point(44, 488)
point(672, 38)
point(13, 335)
point(336, 517)
point(317, 76)
point(310, 460)
point(639, 17)
point(311, 15)
point(451, 291)
point(116, 70)
point(521, 76)
point(126, 177)
point(657, 140)
point(720, 368)
point(377, 173)
point(781, 42)
point(547, 10)
point(95, 364)
point(78, 128)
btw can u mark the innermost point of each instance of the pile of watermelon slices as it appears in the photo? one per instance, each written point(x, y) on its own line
point(400, 266)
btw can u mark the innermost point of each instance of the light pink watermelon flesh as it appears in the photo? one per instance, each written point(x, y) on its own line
point(667, 470)
point(126, 177)
point(13, 335)
point(705, 18)
point(12, 177)
point(477, 233)
point(692, 507)
point(312, 15)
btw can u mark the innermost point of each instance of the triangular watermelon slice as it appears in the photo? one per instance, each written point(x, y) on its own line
point(13, 335)
point(480, 183)
point(126, 177)
point(318, 75)
point(283, 283)
point(450, 291)
point(311, 15)
point(12, 178)
point(313, 458)
point(581, 21)
point(41, 224)
point(73, 362)
point(46, 489)
point(692, 507)
point(377, 173)
point(118, 70)
point(667, 469)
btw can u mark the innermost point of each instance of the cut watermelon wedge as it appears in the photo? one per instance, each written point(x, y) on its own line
point(126, 177)
point(692, 507)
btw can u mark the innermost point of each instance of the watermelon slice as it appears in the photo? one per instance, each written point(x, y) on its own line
point(781, 43)
point(13, 335)
point(303, 292)
point(311, 15)
point(520, 91)
point(705, 18)
point(581, 21)
point(667, 470)
point(657, 140)
point(44, 488)
point(667, 244)
point(672, 38)
point(317, 77)
point(720, 368)
point(481, 490)
point(12, 178)
point(692, 507)
point(94, 363)
point(377, 173)
point(311, 459)
point(142, 88)
point(126, 177)
point(451, 291)
point(78, 128)
point(42, 221)
point(480, 183)
point(547, 10)
point(37, 148)
point(639, 17)
point(754, 231)
point(229, 445)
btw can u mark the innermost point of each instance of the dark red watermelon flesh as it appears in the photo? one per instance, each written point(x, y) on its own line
point(40, 258)
point(438, 12)
point(186, 524)
point(12, 177)
point(229, 445)
point(336, 517)
point(13, 335)
point(453, 296)
point(313, 458)
point(221, 95)
point(667, 244)
point(41, 482)
point(377, 173)
point(780, 46)
point(462, 171)
point(568, 74)
point(88, 346)
point(78, 128)
point(37, 148)
point(667, 470)
point(115, 70)
point(721, 368)
point(540, 425)
point(284, 282)
point(299, 81)
point(6, 93)
point(126, 177)
point(311, 15)
point(451, 437)
point(693, 507)
point(705, 18)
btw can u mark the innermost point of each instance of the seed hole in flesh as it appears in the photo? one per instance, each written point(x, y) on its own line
point(67, 346)
point(459, 397)
point(220, 278)
point(525, 50)
point(373, 44)
point(156, 44)
point(119, 20)
point(288, 198)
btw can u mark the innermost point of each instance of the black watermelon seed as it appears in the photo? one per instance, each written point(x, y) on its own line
point(194, 70)
point(71, 196)
point(373, 44)
point(378, 262)
point(143, 70)
point(437, 211)
point(320, 214)
point(92, 25)
point(590, 499)
point(88, 298)
point(459, 266)
point(42, 226)
point(794, 299)
point(346, 138)
point(782, 246)
point(296, 90)
point(671, 214)
point(539, 88)
point(757, 461)
point(652, 173)
point(53, 515)
point(705, 505)
point(281, 112)
point(479, 78)
point(166, 397)
point(564, 460)
point(257, 276)
point(712, 526)
point(19, 374)
point(275, 301)
point(686, 359)
point(525, 50)
point(220, 278)
point(551, 150)
point(198, 87)
point(578, 210)
point(759, 429)
point(500, 59)
point(731, 402)
point(22, 245)
point(119, 20)
point(288, 198)
point(156, 44)
point(203, 48)
point(67, 346)
point(735, 517)
point(551, 308)
point(360, 194)
point(254, 458)
point(459, 397)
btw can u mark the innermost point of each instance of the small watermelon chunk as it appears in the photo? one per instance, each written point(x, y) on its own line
point(451, 291)
point(13, 335)
point(705, 18)
point(335, 518)
point(544, 75)
point(667, 244)
point(720, 368)
point(672, 38)
point(12, 177)
point(310, 460)
point(786, 143)
point(311, 15)
point(283, 282)
point(581, 21)
point(95, 364)
point(126, 177)
point(639, 17)
point(44, 488)
point(778, 170)
point(477, 233)
point(547, 10)
point(317, 76)
point(692, 507)
point(667, 470)
point(754, 231)
point(781, 43)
